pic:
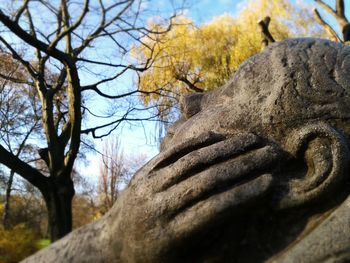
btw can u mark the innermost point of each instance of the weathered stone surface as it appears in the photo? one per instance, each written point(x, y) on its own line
point(255, 171)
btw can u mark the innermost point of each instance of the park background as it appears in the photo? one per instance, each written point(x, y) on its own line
point(206, 43)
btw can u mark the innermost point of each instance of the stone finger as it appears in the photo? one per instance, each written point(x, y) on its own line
point(217, 178)
point(219, 207)
point(199, 160)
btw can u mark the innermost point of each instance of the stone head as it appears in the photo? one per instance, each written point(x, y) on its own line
point(294, 95)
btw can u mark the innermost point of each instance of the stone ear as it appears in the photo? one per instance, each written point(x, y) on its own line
point(325, 156)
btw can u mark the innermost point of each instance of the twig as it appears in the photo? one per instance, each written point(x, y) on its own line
point(265, 33)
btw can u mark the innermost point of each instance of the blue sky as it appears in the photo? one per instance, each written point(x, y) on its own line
point(205, 10)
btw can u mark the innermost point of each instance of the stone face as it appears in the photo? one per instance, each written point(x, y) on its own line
point(256, 171)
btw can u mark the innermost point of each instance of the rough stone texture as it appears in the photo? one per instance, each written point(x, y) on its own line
point(256, 171)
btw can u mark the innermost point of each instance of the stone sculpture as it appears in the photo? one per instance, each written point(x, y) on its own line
point(256, 171)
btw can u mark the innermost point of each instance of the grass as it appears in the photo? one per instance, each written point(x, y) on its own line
point(42, 243)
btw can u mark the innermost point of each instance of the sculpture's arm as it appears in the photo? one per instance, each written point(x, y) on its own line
point(171, 199)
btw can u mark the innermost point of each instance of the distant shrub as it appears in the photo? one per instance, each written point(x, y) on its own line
point(16, 243)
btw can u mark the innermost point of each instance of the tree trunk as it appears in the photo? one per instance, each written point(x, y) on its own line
point(58, 198)
point(6, 216)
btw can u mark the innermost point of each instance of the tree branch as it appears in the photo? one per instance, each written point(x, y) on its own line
point(340, 9)
point(103, 24)
point(29, 39)
point(74, 113)
point(71, 28)
point(333, 35)
point(346, 33)
point(21, 10)
point(23, 169)
point(326, 7)
point(265, 33)
point(99, 92)
point(19, 58)
point(16, 80)
point(65, 134)
point(190, 85)
point(33, 33)
point(66, 26)
point(94, 86)
point(60, 80)
point(116, 123)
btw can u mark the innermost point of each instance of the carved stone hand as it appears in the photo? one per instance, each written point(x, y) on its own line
point(190, 187)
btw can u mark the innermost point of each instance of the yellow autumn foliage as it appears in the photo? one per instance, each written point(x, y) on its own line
point(16, 243)
point(2, 206)
point(190, 57)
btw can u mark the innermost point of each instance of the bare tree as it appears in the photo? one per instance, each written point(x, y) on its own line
point(72, 48)
point(112, 173)
point(116, 170)
point(339, 15)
